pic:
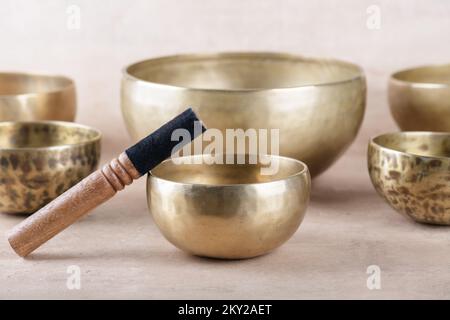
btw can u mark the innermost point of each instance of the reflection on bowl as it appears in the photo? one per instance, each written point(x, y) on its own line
point(228, 211)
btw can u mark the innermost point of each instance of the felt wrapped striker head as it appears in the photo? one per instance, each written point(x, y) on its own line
point(159, 145)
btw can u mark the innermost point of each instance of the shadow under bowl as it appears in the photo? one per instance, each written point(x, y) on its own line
point(40, 160)
point(317, 104)
point(411, 170)
point(419, 98)
point(29, 97)
point(228, 211)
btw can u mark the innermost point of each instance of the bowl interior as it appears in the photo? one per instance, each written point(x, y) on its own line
point(18, 83)
point(227, 174)
point(425, 75)
point(428, 144)
point(242, 71)
point(17, 135)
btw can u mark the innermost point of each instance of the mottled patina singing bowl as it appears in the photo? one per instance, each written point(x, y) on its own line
point(317, 104)
point(411, 170)
point(27, 97)
point(420, 98)
point(228, 211)
point(40, 160)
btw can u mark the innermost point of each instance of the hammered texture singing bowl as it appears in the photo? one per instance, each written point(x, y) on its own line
point(228, 211)
point(29, 97)
point(411, 170)
point(317, 104)
point(41, 160)
point(419, 98)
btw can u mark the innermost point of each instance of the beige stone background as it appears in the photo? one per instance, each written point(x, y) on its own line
point(347, 228)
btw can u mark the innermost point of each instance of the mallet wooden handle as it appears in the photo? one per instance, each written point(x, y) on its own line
point(92, 191)
point(103, 184)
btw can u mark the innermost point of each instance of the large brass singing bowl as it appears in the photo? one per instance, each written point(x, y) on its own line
point(317, 104)
point(411, 170)
point(27, 97)
point(228, 211)
point(420, 98)
point(41, 160)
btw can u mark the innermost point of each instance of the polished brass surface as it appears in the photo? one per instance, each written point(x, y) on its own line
point(420, 98)
point(40, 160)
point(317, 104)
point(228, 211)
point(27, 97)
point(411, 170)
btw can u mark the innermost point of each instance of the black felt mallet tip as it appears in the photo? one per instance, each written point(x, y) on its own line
point(159, 145)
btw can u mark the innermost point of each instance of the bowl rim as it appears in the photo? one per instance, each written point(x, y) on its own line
point(410, 154)
point(96, 138)
point(236, 55)
point(68, 85)
point(394, 77)
point(304, 171)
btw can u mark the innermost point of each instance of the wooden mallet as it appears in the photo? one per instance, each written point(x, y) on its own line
point(102, 184)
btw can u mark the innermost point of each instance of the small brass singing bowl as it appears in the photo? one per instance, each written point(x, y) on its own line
point(228, 211)
point(419, 98)
point(40, 160)
point(28, 97)
point(411, 170)
point(316, 104)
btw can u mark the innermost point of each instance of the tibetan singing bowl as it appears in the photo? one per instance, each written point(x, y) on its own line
point(41, 160)
point(420, 98)
point(26, 97)
point(229, 211)
point(317, 104)
point(411, 170)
